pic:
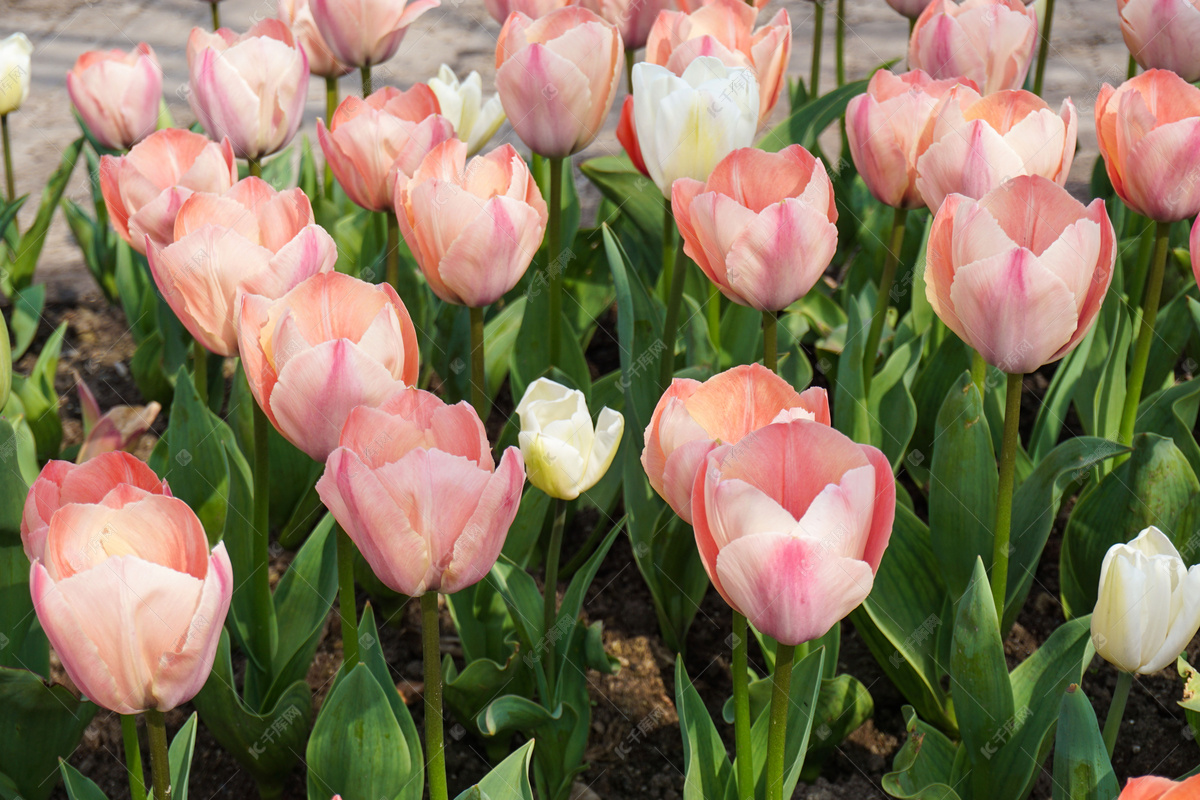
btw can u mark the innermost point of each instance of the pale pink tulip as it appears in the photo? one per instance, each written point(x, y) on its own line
point(909, 8)
point(119, 428)
point(884, 127)
point(1194, 249)
point(1153, 787)
point(144, 189)
point(1021, 273)
point(362, 33)
point(369, 140)
point(557, 77)
point(251, 88)
point(117, 94)
point(693, 418)
point(688, 6)
point(762, 228)
point(990, 42)
point(1149, 134)
point(972, 145)
point(633, 18)
point(1163, 34)
point(413, 483)
point(329, 345)
point(791, 523)
point(251, 239)
point(297, 15)
point(502, 9)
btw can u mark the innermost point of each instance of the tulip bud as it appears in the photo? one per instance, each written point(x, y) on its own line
point(15, 57)
point(564, 453)
point(362, 33)
point(1163, 34)
point(120, 428)
point(634, 18)
point(461, 102)
point(297, 15)
point(117, 94)
point(909, 8)
point(989, 42)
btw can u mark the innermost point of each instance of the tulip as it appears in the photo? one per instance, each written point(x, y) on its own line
point(120, 428)
point(909, 8)
point(250, 239)
point(973, 144)
point(1194, 249)
point(1149, 134)
point(791, 524)
point(369, 140)
point(461, 102)
point(687, 123)
point(327, 346)
point(251, 88)
point(633, 18)
point(565, 454)
point(413, 483)
point(144, 189)
point(1153, 787)
point(117, 94)
point(15, 63)
point(693, 418)
point(988, 41)
point(1163, 34)
point(884, 127)
point(363, 33)
point(501, 10)
point(627, 136)
point(762, 228)
point(557, 77)
point(297, 15)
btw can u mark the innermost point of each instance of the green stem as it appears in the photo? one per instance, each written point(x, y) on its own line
point(200, 370)
point(1044, 49)
point(254, 167)
point(160, 766)
point(979, 373)
point(713, 312)
point(1132, 69)
point(840, 51)
point(550, 595)
point(741, 707)
point(666, 368)
point(216, 16)
point(1150, 299)
point(479, 397)
point(777, 728)
point(331, 104)
point(630, 60)
point(435, 746)
point(770, 326)
point(669, 245)
point(912, 23)
point(365, 74)
point(1116, 710)
point(133, 757)
point(393, 250)
point(818, 36)
point(1004, 492)
point(8, 170)
point(346, 605)
point(260, 578)
point(890, 262)
point(554, 264)
point(590, 544)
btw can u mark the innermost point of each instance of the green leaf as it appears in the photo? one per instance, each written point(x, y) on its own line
point(13, 490)
point(1100, 392)
point(508, 780)
point(632, 192)
point(39, 724)
point(804, 689)
point(937, 377)
point(1172, 412)
point(1053, 412)
point(806, 123)
point(16, 605)
point(843, 706)
point(891, 408)
point(8, 213)
point(1082, 770)
point(851, 415)
point(179, 757)
point(281, 172)
point(40, 398)
point(5, 363)
point(572, 602)
point(511, 713)
point(707, 772)
point(78, 786)
point(34, 239)
point(923, 767)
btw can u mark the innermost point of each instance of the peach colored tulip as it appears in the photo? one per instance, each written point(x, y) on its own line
point(369, 140)
point(557, 77)
point(1021, 273)
point(329, 345)
point(1194, 249)
point(974, 144)
point(693, 418)
point(990, 42)
point(473, 227)
point(362, 33)
point(724, 29)
point(1153, 787)
point(251, 88)
point(502, 9)
point(763, 227)
point(251, 239)
point(627, 136)
point(144, 189)
point(131, 599)
point(633, 18)
point(413, 483)
point(884, 127)
point(909, 8)
point(688, 6)
point(1163, 34)
point(119, 428)
point(791, 523)
point(117, 94)
point(1149, 134)
point(297, 15)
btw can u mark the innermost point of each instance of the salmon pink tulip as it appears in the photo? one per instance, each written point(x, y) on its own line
point(791, 523)
point(369, 140)
point(693, 418)
point(1153, 787)
point(557, 77)
point(473, 227)
point(1020, 274)
point(329, 345)
point(1163, 34)
point(119, 428)
point(762, 228)
point(251, 239)
point(1194, 249)
point(144, 189)
point(362, 33)
point(909, 8)
point(297, 15)
point(501, 10)
point(413, 483)
point(117, 94)
point(990, 42)
point(633, 18)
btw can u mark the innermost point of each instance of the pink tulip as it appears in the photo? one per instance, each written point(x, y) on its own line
point(627, 136)
point(1149, 134)
point(988, 41)
point(131, 598)
point(1163, 34)
point(762, 228)
point(117, 94)
point(297, 15)
point(251, 88)
point(633, 18)
point(369, 140)
point(119, 428)
point(144, 189)
point(1153, 787)
point(1194, 249)
point(884, 127)
point(724, 29)
point(413, 483)
point(502, 9)
point(328, 345)
point(974, 144)
point(909, 8)
point(791, 523)
point(688, 6)
point(473, 227)
point(251, 239)
point(363, 33)
point(557, 77)
point(693, 418)
point(1020, 274)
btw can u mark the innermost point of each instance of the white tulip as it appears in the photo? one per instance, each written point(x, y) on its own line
point(15, 53)
point(564, 454)
point(462, 103)
point(687, 123)
point(1149, 604)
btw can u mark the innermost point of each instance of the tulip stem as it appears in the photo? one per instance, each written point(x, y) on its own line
point(365, 73)
point(550, 595)
point(1150, 300)
point(435, 747)
point(818, 35)
point(9, 185)
point(770, 326)
point(331, 104)
point(216, 16)
point(1116, 710)
point(1044, 49)
point(393, 250)
point(671, 324)
point(133, 757)
point(840, 45)
point(630, 60)
point(978, 372)
point(160, 766)
point(668, 263)
point(1004, 492)
point(890, 261)
point(777, 728)
point(1131, 70)
point(741, 707)
point(254, 167)
point(260, 579)
point(713, 311)
point(200, 371)
point(553, 266)
point(347, 608)
point(479, 397)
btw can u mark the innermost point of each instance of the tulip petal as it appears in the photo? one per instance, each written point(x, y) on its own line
point(780, 255)
point(478, 546)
